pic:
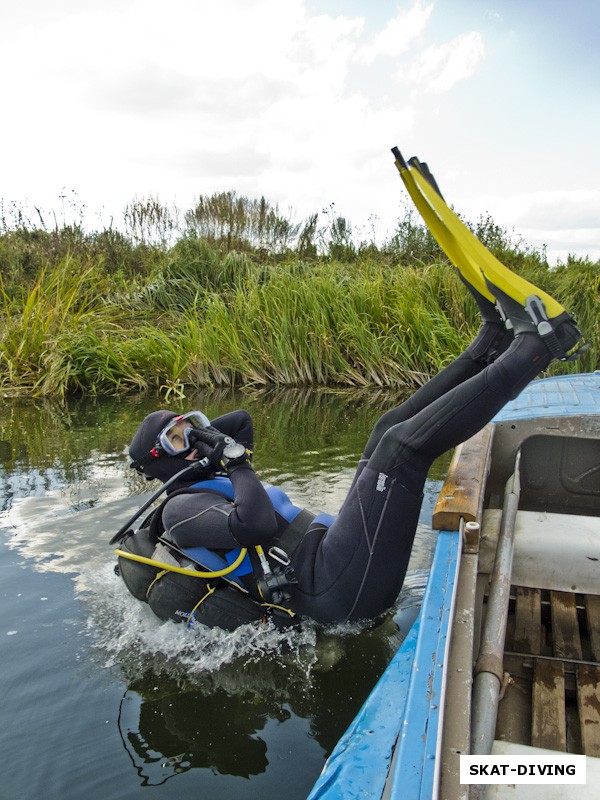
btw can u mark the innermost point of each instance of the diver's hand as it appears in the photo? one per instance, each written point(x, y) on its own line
point(210, 444)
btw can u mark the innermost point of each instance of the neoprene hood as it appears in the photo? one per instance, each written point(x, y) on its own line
point(162, 467)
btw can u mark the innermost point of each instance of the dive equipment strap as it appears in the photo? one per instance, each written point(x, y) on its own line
point(294, 533)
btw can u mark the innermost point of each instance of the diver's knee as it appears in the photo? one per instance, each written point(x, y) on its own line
point(392, 442)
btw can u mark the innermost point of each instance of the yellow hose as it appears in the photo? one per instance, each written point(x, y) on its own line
point(194, 573)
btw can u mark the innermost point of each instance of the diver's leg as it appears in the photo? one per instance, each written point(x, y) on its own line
point(355, 569)
point(461, 412)
point(508, 318)
point(491, 341)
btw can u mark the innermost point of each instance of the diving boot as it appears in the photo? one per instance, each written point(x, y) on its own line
point(493, 337)
point(560, 334)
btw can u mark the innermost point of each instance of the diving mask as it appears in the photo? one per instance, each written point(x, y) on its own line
point(174, 439)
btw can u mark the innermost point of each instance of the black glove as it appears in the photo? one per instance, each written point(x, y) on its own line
point(210, 443)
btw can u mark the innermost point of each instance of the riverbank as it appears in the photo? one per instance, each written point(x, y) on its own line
point(105, 313)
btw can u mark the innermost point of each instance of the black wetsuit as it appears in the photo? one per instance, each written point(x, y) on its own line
point(353, 569)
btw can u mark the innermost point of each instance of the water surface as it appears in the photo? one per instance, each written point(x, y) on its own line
point(103, 699)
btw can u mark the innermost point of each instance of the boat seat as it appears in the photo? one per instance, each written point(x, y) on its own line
point(540, 542)
point(552, 646)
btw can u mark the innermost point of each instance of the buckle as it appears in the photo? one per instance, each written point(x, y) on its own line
point(277, 554)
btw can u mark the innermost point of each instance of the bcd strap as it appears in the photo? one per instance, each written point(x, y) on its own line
point(294, 533)
point(157, 577)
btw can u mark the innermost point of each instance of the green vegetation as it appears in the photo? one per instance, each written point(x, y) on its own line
point(233, 293)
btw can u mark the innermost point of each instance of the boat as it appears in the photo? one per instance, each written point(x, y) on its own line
point(504, 656)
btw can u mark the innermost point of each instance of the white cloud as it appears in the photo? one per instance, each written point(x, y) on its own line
point(118, 100)
point(565, 221)
point(189, 98)
point(548, 210)
point(440, 67)
point(399, 34)
point(567, 210)
point(560, 244)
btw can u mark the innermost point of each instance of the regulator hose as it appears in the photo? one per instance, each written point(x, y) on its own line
point(124, 528)
point(182, 570)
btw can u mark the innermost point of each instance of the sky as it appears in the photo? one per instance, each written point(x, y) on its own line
point(300, 101)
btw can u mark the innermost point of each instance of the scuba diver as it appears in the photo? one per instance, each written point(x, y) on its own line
point(350, 567)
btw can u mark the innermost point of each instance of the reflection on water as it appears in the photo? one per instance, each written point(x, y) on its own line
point(252, 708)
point(166, 721)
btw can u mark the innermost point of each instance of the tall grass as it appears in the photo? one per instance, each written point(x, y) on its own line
point(371, 329)
point(103, 315)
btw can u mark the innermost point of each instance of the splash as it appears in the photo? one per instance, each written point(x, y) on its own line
point(128, 634)
point(125, 634)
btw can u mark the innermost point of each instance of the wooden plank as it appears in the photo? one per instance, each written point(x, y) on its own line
point(588, 702)
point(528, 620)
point(592, 610)
point(548, 724)
point(462, 492)
point(566, 641)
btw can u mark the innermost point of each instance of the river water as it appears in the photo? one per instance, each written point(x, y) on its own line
point(101, 699)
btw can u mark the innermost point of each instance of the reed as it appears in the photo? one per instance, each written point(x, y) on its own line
point(197, 315)
point(61, 300)
point(372, 329)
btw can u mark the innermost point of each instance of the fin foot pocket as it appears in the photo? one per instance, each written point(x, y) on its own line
point(560, 334)
point(487, 308)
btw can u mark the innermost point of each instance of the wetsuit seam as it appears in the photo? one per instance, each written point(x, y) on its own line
point(195, 517)
point(313, 593)
point(372, 546)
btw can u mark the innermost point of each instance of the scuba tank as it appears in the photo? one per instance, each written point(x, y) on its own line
point(183, 597)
